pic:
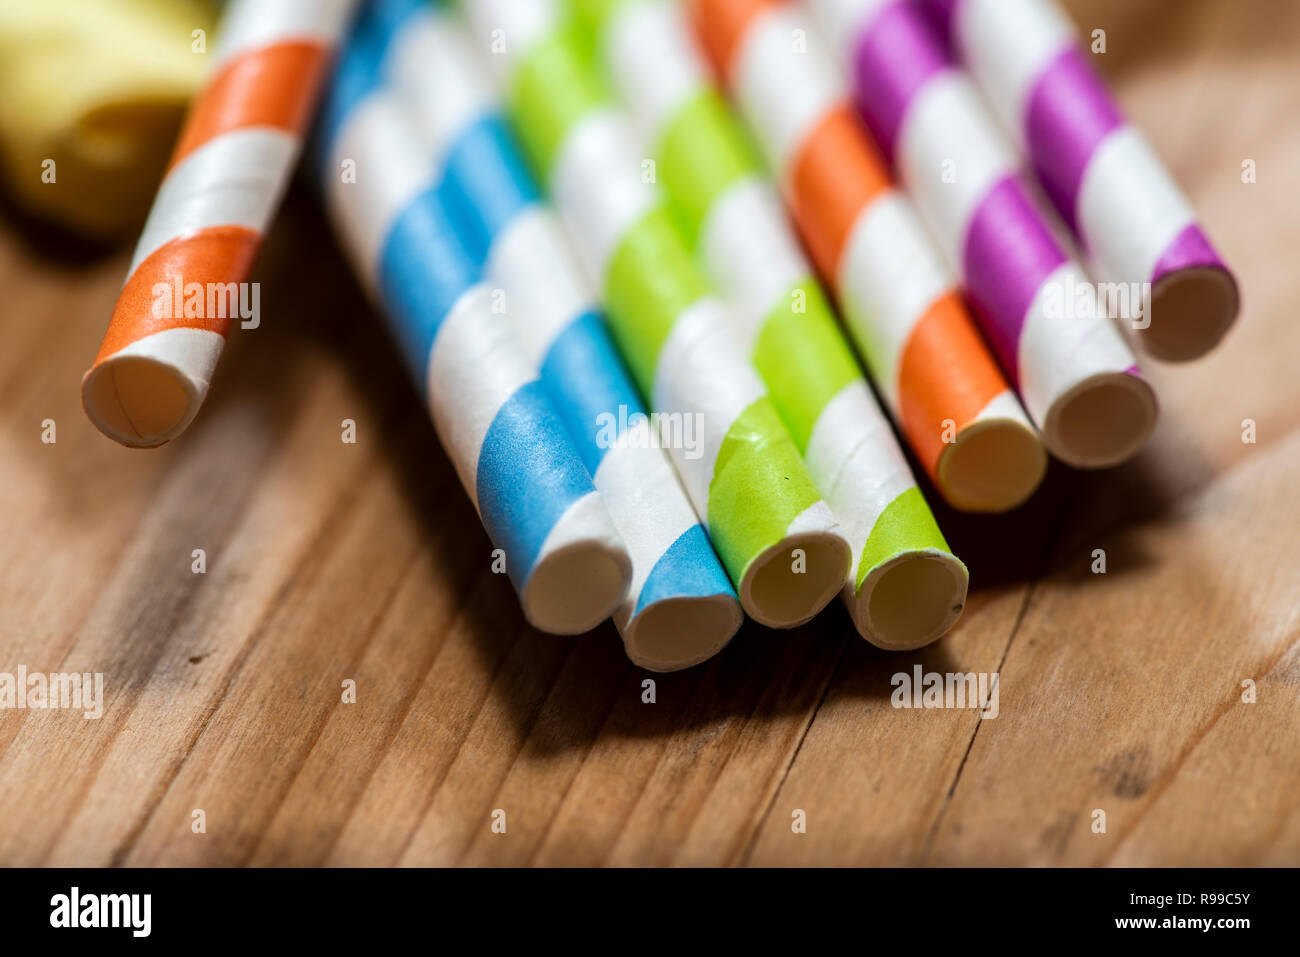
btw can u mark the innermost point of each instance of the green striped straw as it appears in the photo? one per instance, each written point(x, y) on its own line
point(906, 588)
point(776, 535)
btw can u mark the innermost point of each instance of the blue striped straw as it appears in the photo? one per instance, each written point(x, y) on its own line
point(681, 608)
point(510, 448)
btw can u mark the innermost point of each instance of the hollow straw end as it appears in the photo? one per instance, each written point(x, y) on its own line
point(993, 465)
point(147, 393)
point(1192, 310)
point(1103, 420)
point(789, 582)
point(581, 574)
point(676, 633)
point(911, 600)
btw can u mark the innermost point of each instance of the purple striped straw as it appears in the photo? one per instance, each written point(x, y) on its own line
point(1133, 222)
point(1055, 336)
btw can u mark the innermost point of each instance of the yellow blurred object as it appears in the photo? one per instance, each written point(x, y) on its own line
point(98, 87)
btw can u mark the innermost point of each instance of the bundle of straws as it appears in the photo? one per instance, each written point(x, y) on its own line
point(656, 265)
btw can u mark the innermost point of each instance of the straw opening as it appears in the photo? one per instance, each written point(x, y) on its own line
point(914, 600)
point(138, 401)
point(1191, 311)
point(1102, 421)
point(993, 466)
point(783, 589)
point(575, 588)
point(679, 632)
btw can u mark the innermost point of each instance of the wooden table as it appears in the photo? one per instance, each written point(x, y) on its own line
point(328, 561)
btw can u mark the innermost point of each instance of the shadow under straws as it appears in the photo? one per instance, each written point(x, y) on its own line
point(58, 245)
point(523, 663)
point(763, 676)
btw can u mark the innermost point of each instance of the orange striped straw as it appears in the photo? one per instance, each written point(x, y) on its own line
point(189, 277)
point(899, 300)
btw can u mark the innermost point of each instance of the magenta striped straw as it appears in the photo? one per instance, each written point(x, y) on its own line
point(1133, 222)
point(1037, 307)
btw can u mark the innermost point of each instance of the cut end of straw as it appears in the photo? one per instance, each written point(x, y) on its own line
point(912, 600)
point(789, 583)
point(1102, 421)
point(139, 401)
point(574, 588)
point(676, 633)
point(1191, 311)
point(993, 466)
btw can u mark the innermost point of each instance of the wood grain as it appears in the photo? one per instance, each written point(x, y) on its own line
point(327, 561)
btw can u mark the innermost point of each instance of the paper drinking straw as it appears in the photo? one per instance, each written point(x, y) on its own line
point(509, 446)
point(899, 298)
point(1102, 176)
point(227, 173)
point(1077, 377)
point(680, 608)
point(906, 588)
point(775, 534)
